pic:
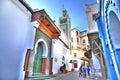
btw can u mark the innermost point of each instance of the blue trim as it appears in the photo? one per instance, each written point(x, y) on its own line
point(110, 67)
point(116, 53)
point(104, 11)
point(117, 56)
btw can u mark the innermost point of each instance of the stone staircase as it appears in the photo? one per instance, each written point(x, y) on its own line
point(39, 76)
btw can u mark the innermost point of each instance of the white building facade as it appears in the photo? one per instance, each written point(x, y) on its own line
point(61, 46)
point(17, 36)
point(91, 13)
point(60, 52)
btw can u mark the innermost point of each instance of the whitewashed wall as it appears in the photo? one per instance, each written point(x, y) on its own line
point(73, 35)
point(63, 36)
point(16, 36)
point(90, 11)
point(57, 53)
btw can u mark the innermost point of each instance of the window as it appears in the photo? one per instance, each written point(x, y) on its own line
point(76, 32)
point(77, 40)
point(75, 55)
point(84, 41)
point(94, 16)
point(72, 46)
point(63, 58)
point(72, 39)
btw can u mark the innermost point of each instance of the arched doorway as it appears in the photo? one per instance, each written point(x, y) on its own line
point(114, 29)
point(75, 64)
point(108, 24)
point(114, 36)
point(38, 59)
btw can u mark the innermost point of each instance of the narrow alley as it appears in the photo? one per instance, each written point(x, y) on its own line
point(42, 41)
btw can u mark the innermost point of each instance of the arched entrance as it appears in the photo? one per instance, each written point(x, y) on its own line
point(114, 36)
point(114, 29)
point(75, 64)
point(109, 27)
point(40, 58)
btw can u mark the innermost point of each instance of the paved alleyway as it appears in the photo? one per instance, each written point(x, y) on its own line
point(71, 76)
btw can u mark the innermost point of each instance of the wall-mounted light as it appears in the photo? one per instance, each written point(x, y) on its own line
point(35, 24)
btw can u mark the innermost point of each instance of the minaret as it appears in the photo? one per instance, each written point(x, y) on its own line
point(65, 23)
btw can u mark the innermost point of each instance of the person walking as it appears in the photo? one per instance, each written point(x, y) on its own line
point(80, 71)
point(84, 70)
point(88, 70)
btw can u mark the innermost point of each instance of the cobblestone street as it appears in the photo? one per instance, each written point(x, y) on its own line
point(72, 76)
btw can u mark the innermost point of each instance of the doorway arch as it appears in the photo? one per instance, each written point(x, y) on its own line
point(109, 14)
point(114, 29)
point(112, 32)
point(41, 51)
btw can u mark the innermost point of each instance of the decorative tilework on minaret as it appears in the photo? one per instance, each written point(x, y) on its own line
point(65, 23)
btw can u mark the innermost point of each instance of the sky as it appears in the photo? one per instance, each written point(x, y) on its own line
point(75, 8)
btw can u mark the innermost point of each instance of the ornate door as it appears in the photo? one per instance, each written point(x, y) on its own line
point(38, 59)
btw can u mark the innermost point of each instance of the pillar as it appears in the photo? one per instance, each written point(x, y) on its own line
point(51, 63)
point(44, 61)
point(27, 63)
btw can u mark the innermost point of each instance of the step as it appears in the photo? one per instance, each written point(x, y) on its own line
point(39, 76)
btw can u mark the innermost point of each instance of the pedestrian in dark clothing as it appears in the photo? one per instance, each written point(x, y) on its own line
point(80, 71)
point(62, 68)
point(83, 71)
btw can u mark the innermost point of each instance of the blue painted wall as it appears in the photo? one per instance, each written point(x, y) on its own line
point(103, 22)
point(106, 50)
